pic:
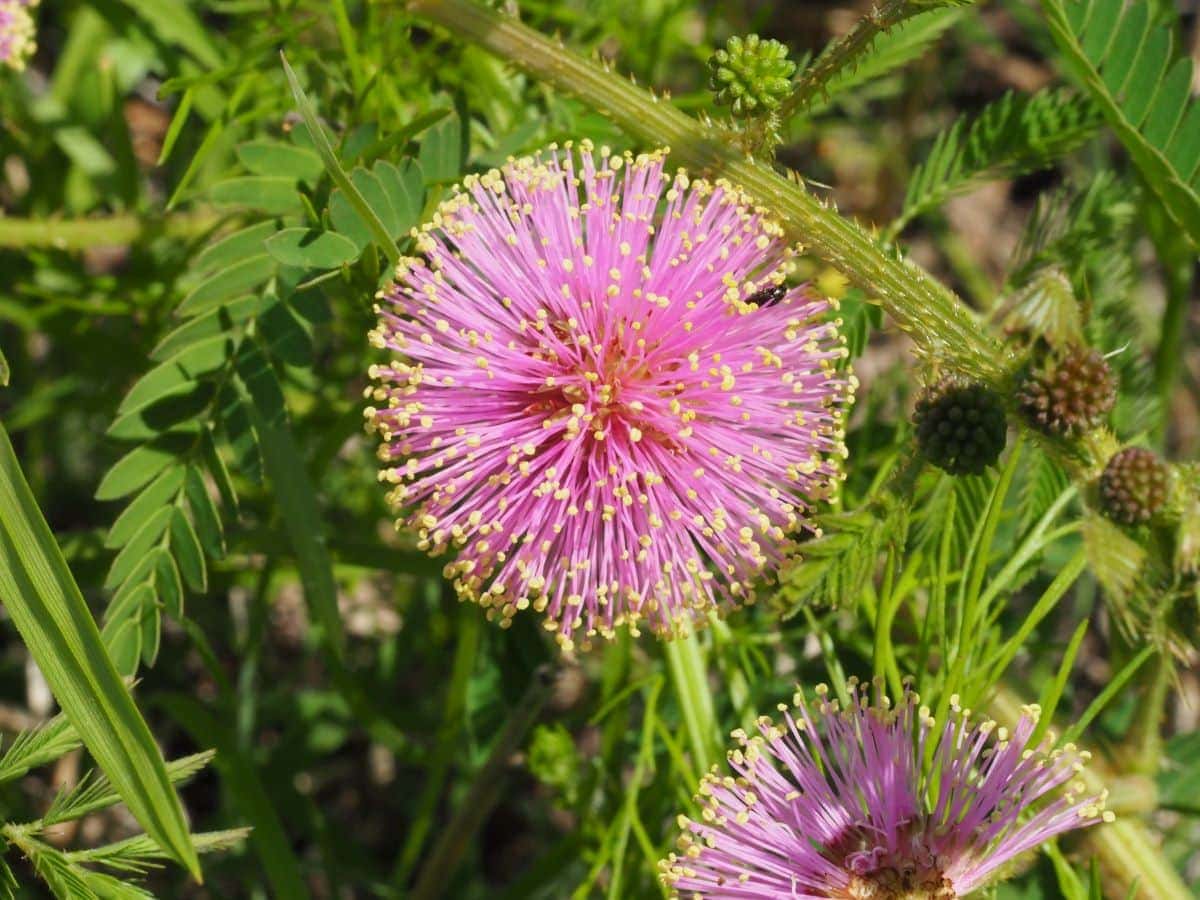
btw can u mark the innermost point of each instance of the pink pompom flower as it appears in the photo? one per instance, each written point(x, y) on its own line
point(845, 804)
point(604, 399)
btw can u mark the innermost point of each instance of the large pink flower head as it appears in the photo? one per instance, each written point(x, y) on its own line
point(845, 804)
point(604, 397)
point(16, 33)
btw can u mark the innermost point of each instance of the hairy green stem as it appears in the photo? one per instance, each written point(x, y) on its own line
point(1125, 849)
point(845, 53)
point(940, 324)
point(108, 231)
point(1146, 732)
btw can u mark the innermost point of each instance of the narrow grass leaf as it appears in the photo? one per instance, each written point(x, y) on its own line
point(45, 605)
point(1106, 696)
point(238, 773)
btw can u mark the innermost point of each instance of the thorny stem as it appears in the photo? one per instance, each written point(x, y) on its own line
point(845, 53)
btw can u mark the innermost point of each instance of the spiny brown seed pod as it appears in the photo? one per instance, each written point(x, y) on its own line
point(1068, 394)
point(1133, 487)
point(961, 427)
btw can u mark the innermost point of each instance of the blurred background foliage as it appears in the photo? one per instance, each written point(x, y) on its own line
point(165, 211)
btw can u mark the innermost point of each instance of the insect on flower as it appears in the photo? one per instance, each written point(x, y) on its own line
point(589, 405)
point(768, 296)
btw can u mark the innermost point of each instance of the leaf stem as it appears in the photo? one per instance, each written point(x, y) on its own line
point(105, 231)
point(435, 876)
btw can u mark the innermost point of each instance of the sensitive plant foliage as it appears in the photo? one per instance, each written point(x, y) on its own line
point(613, 412)
point(231, 319)
point(876, 802)
point(17, 31)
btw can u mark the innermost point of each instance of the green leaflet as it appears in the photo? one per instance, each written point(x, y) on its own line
point(1123, 59)
point(869, 53)
point(310, 249)
point(379, 231)
point(46, 607)
point(1013, 135)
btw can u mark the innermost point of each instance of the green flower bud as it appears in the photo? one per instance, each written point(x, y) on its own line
point(750, 75)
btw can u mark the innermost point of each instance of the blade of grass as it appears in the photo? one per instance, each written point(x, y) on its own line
point(45, 604)
point(1054, 690)
point(335, 170)
point(247, 795)
point(1049, 599)
point(1105, 696)
point(435, 876)
point(645, 760)
point(691, 692)
point(465, 656)
point(349, 46)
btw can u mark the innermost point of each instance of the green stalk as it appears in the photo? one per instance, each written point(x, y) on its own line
point(884, 658)
point(629, 814)
point(435, 876)
point(1146, 732)
point(686, 666)
point(106, 231)
point(935, 318)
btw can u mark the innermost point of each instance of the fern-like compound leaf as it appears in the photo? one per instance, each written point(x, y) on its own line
point(1013, 135)
point(1126, 62)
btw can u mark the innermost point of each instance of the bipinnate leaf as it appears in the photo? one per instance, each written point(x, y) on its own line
point(1124, 58)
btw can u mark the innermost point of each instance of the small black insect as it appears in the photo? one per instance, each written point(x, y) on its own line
point(768, 296)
